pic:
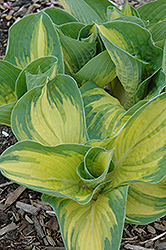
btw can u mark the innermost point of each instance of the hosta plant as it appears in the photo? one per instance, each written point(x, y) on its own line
point(120, 50)
point(98, 157)
point(95, 163)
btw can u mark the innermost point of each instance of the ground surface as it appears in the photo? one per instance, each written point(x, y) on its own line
point(25, 221)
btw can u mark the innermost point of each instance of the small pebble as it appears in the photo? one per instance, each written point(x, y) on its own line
point(5, 133)
point(8, 18)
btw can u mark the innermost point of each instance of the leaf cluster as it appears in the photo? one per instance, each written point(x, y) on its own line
point(84, 93)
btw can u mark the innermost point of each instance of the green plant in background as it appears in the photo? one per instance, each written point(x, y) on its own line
point(98, 158)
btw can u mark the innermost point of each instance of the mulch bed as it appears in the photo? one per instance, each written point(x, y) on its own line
point(26, 223)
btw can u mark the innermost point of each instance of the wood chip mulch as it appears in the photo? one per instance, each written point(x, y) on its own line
point(26, 223)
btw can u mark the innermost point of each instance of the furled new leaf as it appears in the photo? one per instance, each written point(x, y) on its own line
point(96, 165)
point(36, 73)
point(97, 225)
point(51, 114)
point(32, 37)
point(76, 53)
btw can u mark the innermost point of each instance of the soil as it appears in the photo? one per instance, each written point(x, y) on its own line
point(26, 223)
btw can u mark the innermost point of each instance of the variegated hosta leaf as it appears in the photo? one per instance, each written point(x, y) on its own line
point(59, 16)
point(52, 114)
point(5, 113)
point(101, 109)
point(146, 202)
point(87, 11)
point(125, 117)
point(97, 225)
point(76, 53)
point(97, 163)
point(129, 68)
point(153, 12)
point(131, 49)
point(115, 14)
point(50, 170)
point(99, 69)
point(32, 37)
point(129, 10)
point(36, 73)
point(140, 146)
point(9, 74)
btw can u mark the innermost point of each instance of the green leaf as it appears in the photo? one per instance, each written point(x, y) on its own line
point(52, 114)
point(33, 81)
point(160, 44)
point(158, 31)
point(139, 146)
point(96, 165)
point(115, 14)
point(116, 89)
point(158, 84)
point(99, 69)
point(9, 74)
point(164, 59)
point(59, 16)
point(87, 11)
point(71, 29)
point(97, 225)
point(131, 49)
point(153, 12)
point(50, 170)
point(146, 202)
point(76, 53)
point(143, 89)
point(5, 113)
point(101, 109)
point(129, 10)
point(36, 73)
point(32, 37)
